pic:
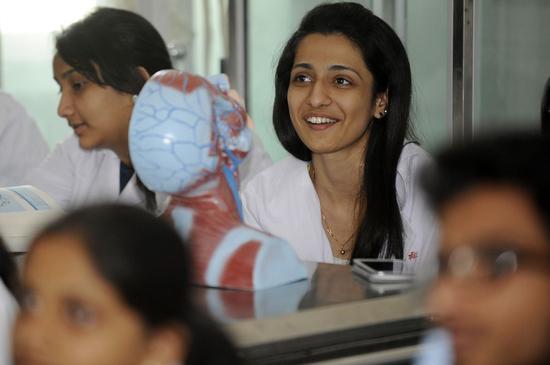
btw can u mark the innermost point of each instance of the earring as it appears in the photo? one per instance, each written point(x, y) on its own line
point(134, 98)
point(382, 114)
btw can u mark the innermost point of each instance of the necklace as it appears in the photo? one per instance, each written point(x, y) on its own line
point(324, 221)
point(333, 236)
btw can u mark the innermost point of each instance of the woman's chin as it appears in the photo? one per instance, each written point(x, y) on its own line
point(87, 144)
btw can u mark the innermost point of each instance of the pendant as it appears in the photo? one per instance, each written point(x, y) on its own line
point(342, 252)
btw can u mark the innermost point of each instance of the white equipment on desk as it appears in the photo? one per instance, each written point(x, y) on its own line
point(24, 210)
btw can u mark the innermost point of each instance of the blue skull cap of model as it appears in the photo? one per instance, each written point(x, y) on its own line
point(170, 136)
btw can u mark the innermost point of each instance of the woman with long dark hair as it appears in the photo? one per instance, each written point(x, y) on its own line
point(342, 101)
point(110, 285)
point(101, 63)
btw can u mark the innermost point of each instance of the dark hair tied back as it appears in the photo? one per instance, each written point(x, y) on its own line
point(109, 45)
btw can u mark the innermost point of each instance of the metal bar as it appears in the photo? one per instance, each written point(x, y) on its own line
point(237, 58)
point(468, 70)
point(462, 92)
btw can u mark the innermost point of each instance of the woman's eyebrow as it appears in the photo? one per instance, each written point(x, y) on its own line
point(303, 65)
point(308, 66)
point(67, 73)
point(344, 68)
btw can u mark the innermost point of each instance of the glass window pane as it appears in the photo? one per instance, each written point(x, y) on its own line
point(26, 44)
point(512, 65)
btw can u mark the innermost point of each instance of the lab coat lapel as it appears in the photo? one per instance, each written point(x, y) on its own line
point(131, 193)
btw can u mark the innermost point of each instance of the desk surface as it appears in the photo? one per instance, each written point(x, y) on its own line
point(332, 308)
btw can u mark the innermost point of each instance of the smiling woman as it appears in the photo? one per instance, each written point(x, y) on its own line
point(342, 99)
point(331, 88)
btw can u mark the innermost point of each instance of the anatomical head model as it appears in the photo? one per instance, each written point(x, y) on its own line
point(187, 138)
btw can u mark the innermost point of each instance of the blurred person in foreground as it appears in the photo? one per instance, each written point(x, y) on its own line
point(492, 296)
point(109, 285)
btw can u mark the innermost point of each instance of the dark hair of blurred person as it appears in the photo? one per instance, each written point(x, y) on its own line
point(110, 285)
point(493, 291)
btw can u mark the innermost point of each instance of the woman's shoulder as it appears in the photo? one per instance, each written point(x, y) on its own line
point(419, 225)
point(67, 162)
point(70, 149)
point(412, 160)
point(283, 174)
point(413, 151)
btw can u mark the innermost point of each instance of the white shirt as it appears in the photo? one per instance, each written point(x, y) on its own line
point(75, 177)
point(282, 200)
point(8, 309)
point(435, 349)
point(22, 146)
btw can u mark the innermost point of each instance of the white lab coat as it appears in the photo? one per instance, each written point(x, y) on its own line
point(282, 200)
point(22, 146)
point(75, 177)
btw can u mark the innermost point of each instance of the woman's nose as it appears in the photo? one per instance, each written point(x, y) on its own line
point(65, 107)
point(319, 95)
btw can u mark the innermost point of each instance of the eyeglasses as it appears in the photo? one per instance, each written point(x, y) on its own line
point(490, 262)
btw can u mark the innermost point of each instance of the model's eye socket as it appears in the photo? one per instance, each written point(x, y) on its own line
point(341, 81)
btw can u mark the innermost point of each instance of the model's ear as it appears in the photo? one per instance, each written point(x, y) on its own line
point(167, 345)
point(143, 72)
point(381, 105)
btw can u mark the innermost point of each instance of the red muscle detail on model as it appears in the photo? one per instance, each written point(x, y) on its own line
point(239, 269)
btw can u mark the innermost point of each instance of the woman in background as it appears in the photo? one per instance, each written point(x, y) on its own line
point(101, 63)
point(22, 146)
point(121, 296)
point(342, 100)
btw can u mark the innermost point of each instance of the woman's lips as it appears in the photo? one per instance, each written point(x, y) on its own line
point(78, 128)
point(320, 123)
